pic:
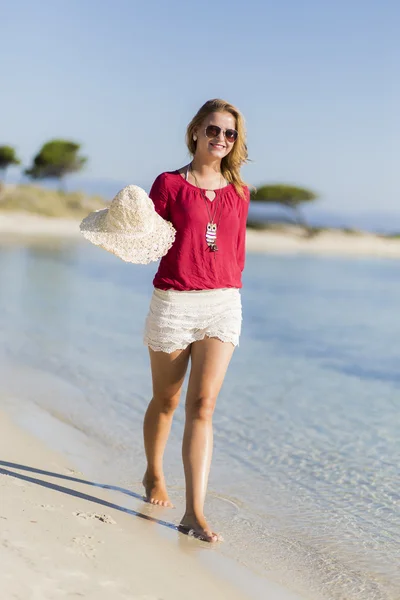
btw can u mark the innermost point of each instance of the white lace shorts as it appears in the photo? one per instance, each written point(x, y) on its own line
point(176, 319)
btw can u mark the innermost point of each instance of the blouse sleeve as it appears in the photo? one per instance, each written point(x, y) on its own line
point(159, 196)
point(241, 247)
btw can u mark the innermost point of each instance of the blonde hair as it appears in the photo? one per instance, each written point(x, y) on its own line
point(232, 162)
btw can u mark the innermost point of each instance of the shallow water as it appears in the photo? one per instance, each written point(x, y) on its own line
point(305, 479)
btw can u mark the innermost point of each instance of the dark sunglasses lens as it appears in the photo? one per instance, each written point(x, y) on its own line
point(231, 135)
point(213, 131)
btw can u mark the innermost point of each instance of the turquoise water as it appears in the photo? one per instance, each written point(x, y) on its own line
point(305, 479)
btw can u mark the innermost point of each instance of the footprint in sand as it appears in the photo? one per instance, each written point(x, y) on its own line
point(88, 516)
point(86, 545)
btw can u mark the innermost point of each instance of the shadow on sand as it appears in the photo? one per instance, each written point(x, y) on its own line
point(77, 494)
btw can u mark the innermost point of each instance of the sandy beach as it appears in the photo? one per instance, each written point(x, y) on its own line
point(62, 536)
point(66, 534)
point(282, 240)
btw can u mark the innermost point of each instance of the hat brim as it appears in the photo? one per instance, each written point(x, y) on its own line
point(138, 248)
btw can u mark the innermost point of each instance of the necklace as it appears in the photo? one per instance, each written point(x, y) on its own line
point(212, 225)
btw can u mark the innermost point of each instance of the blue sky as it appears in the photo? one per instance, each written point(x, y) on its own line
point(318, 84)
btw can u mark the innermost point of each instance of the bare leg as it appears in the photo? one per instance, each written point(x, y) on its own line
point(168, 373)
point(210, 359)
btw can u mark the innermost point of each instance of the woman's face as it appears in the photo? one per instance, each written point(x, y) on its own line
point(218, 146)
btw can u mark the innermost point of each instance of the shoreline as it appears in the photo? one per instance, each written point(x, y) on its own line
point(285, 239)
point(62, 533)
point(80, 385)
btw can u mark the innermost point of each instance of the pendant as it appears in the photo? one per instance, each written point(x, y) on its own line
point(211, 236)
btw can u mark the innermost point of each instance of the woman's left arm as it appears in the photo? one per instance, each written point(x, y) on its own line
point(243, 212)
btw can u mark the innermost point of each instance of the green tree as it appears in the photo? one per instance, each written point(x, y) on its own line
point(289, 196)
point(8, 157)
point(55, 160)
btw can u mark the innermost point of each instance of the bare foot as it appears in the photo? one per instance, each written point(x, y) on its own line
point(198, 528)
point(156, 491)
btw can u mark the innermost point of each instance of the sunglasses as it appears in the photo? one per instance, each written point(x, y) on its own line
point(213, 131)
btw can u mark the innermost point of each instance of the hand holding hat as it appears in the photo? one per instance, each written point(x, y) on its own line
point(130, 228)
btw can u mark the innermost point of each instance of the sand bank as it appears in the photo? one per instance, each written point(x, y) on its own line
point(285, 240)
point(293, 240)
point(37, 225)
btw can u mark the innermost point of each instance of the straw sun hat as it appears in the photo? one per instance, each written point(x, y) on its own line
point(130, 228)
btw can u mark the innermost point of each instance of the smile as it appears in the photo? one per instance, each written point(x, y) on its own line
point(218, 145)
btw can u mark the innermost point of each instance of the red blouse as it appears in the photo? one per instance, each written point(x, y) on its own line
point(190, 264)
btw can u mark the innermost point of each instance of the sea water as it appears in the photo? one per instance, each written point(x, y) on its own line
point(305, 476)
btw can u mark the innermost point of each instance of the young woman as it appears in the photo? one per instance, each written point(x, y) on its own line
point(195, 311)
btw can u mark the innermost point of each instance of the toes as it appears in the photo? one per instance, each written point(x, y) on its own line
point(157, 502)
point(207, 537)
point(201, 534)
point(211, 536)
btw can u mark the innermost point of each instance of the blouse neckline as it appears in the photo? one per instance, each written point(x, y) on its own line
point(195, 187)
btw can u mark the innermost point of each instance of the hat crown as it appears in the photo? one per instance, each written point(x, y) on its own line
point(130, 228)
point(130, 211)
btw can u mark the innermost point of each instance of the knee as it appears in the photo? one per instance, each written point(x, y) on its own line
point(202, 408)
point(167, 404)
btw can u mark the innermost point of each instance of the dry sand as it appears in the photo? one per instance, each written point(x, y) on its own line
point(286, 240)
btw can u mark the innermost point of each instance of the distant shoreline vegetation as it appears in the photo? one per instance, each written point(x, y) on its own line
point(55, 160)
point(48, 203)
point(59, 158)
